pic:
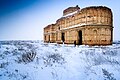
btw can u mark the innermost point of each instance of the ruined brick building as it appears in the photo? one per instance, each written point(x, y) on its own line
point(89, 26)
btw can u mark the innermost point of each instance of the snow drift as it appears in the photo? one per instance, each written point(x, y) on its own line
point(35, 60)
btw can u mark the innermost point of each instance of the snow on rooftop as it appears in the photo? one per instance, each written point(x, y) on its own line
point(70, 14)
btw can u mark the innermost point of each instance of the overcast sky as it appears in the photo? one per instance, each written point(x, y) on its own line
point(25, 19)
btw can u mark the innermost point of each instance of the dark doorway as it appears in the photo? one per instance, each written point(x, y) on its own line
point(49, 38)
point(56, 36)
point(80, 37)
point(63, 37)
point(45, 37)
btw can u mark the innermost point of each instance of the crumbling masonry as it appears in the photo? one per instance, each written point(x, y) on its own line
point(88, 26)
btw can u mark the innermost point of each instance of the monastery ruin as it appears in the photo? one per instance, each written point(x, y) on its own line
point(88, 26)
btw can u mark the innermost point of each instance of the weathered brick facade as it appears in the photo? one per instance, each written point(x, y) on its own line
point(89, 26)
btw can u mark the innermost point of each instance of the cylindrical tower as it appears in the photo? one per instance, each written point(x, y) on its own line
point(98, 28)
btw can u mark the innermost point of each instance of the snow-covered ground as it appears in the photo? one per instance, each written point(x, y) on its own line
point(35, 60)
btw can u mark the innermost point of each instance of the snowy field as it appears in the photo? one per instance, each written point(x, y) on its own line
point(35, 60)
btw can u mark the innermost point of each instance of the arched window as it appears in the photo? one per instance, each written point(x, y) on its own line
point(58, 28)
point(95, 34)
point(95, 31)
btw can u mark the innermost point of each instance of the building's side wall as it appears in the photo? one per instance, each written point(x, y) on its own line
point(46, 34)
point(97, 36)
point(49, 33)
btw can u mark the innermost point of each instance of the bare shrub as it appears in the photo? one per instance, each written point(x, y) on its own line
point(28, 57)
point(53, 58)
point(4, 64)
point(107, 75)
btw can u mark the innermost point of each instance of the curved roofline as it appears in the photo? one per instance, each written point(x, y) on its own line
point(85, 8)
point(90, 7)
point(77, 7)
